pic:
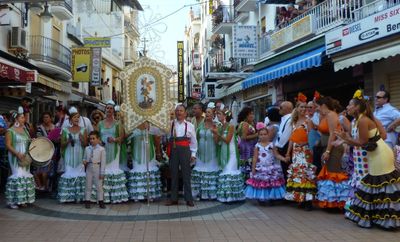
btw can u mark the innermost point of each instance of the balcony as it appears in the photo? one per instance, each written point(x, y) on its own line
point(316, 21)
point(129, 56)
point(62, 9)
point(223, 19)
point(245, 5)
point(240, 16)
point(131, 30)
point(216, 68)
point(51, 56)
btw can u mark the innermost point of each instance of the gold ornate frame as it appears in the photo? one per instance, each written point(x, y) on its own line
point(158, 114)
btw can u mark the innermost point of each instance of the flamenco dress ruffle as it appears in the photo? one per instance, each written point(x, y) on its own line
point(377, 201)
point(267, 184)
point(230, 187)
point(138, 182)
point(333, 189)
point(301, 186)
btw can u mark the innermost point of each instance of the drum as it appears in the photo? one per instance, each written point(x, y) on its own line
point(41, 150)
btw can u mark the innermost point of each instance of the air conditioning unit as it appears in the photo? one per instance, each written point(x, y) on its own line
point(18, 38)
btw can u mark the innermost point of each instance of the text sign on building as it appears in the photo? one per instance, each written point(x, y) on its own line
point(181, 73)
point(210, 6)
point(244, 41)
point(102, 42)
point(374, 27)
point(13, 73)
point(95, 79)
point(81, 64)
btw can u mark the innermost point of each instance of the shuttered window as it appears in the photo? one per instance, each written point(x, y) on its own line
point(394, 89)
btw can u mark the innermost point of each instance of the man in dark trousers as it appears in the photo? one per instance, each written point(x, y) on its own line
point(183, 148)
point(284, 132)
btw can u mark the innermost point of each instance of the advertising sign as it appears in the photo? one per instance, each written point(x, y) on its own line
point(102, 42)
point(95, 79)
point(374, 27)
point(244, 41)
point(13, 73)
point(81, 64)
point(181, 72)
point(210, 6)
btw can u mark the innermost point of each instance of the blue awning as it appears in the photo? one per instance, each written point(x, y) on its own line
point(288, 67)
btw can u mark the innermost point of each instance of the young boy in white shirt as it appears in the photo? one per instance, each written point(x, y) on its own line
point(95, 163)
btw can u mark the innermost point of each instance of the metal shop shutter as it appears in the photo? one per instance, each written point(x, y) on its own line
point(394, 89)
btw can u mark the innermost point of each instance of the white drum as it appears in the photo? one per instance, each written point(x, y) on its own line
point(41, 150)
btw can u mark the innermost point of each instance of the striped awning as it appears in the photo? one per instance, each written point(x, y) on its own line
point(299, 63)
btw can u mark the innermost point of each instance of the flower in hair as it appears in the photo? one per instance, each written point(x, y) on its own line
point(260, 125)
point(317, 95)
point(301, 97)
point(358, 94)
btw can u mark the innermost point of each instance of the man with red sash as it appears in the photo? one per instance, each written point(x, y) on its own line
point(183, 148)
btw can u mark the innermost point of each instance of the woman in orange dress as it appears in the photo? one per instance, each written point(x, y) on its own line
point(300, 185)
point(333, 182)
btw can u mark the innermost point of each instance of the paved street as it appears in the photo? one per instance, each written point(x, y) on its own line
point(207, 221)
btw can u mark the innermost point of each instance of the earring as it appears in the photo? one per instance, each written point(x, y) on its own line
point(17, 124)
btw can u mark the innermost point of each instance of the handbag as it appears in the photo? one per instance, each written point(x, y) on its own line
point(371, 145)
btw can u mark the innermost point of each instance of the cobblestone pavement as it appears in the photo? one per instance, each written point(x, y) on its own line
point(48, 220)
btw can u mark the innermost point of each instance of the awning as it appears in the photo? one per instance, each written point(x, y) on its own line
point(14, 72)
point(366, 55)
point(237, 87)
point(56, 85)
point(302, 62)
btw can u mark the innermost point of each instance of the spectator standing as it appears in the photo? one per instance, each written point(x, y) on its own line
point(42, 173)
point(248, 139)
point(284, 132)
point(388, 115)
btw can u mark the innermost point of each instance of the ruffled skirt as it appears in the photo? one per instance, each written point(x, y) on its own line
point(377, 201)
point(333, 189)
point(114, 187)
point(230, 187)
point(71, 189)
point(138, 183)
point(20, 190)
point(300, 186)
point(267, 184)
point(204, 184)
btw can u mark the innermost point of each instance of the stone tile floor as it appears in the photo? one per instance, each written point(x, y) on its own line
point(48, 220)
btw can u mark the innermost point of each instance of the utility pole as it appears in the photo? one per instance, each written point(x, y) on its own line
point(144, 40)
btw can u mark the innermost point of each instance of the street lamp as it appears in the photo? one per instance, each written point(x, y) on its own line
point(36, 8)
point(46, 15)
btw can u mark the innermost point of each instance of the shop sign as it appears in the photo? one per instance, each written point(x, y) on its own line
point(374, 27)
point(81, 64)
point(255, 92)
point(245, 41)
point(196, 61)
point(196, 91)
point(14, 73)
point(210, 7)
point(210, 90)
point(101, 42)
point(298, 30)
point(95, 79)
point(181, 72)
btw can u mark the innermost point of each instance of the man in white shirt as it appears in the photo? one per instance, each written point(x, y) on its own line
point(388, 115)
point(183, 149)
point(83, 123)
point(284, 131)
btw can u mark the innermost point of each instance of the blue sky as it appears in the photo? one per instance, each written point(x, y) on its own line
point(175, 25)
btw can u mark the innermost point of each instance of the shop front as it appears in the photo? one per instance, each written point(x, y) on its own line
point(258, 98)
point(373, 43)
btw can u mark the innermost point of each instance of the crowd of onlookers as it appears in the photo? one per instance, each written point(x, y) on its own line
point(286, 14)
